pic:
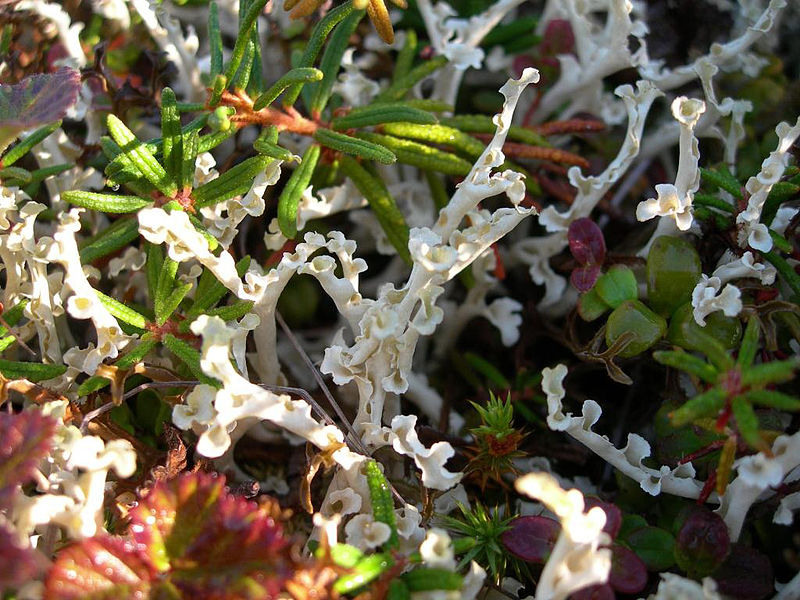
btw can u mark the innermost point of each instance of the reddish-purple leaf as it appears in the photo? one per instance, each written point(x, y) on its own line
point(100, 568)
point(745, 575)
point(38, 99)
point(584, 278)
point(558, 38)
point(628, 573)
point(586, 242)
point(25, 440)
point(531, 538)
point(602, 591)
point(613, 515)
point(210, 541)
point(702, 543)
point(19, 563)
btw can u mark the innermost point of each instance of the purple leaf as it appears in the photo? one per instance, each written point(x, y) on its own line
point(602, 591)
point(19, 564)
point(628, 573)
point(102, 567)
point(613, 515)
point(25, 440)
point(531, 538)
point(584, 278)
point(586, 242)
point(702, 543)
point(745, 575)
point(209, 541)
point(39, 99)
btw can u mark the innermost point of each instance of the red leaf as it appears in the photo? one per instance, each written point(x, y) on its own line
point(558, 38)
point(584, 278)
point(745, 575)
point(613, 515)
point(39, 99)
point(25, 440)
point(586, 242)
point(628, 573)
point(19, 563)
point(594, 592)
point(702, 543)
point(531, 538)
point(100, 568)
point(213, 544)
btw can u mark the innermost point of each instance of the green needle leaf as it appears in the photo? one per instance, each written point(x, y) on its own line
point(214, 40)
point(190, 357)
point(747, 423)
point(722, 178)
point(121, 311)
point(354, 146)
point(234, 182)
point(378, 114)
point(141, 156)
point(23, 147)
point(437, 134)
point(110, 203)
point(293, 191)
point(420, 155)
point(381, 498)
point(777, 371)
point(707, 404)
point(299, 76)
point(382, 204)
point(32, 371)
point(400, 86)
point(749, 347)
point(171, 136)
point(243, 38)
point(773, 399)
point(688, 363)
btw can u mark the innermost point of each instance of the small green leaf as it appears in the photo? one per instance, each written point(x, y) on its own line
point(378, 114)
point(164, 287)
point(247, 23)
point(16, 174)
point(273, 150)
point(381, 498)
point(428, 579)
point(688, 363)
point(405, 58)
point(242, 77)
point(749, 347)
point(634, 317)
point(331, 61)
point(655, 546)
point(591, 306)
point(777, 371)
point(368, 569)
point(235, 181)
point(397, 589)
point(382, 204)
point(214, 41)
point(785, 270)
point(128, 360)
point(25, 146)
point(191, 148)
point(110, 203)
point(485, 124)
point(617, 286)
point(723, 179)
point(314, 45)
point(773, 399)
point(293, 191)
point(141, 156)
point(171, 136)
point(713, 201)
point(402, 85)
point(344, 555)
point(217, 87)
point(121, 311)
point(782, 191)
point(190, 357)
point(231, 312)
point(747, 423)
point(210, 290)
point(155, 257)
point(299, 76)
point(172, 302)
point(707, 404)
point(32, 371)
point(672, 271)
point(354, 146)
point(420, 155)
point(437, 134)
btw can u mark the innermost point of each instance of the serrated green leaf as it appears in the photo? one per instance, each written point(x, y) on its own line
point(171, 136)
point(110, 203)
point(299, 76)
point(140, 156)
point(32, 371)
point(354, 146)
point(420, 155)
point(293, 191)
point(378, 114)
point(332, 60)
point(121, 311)
point(382, 204)
point(234, 182)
